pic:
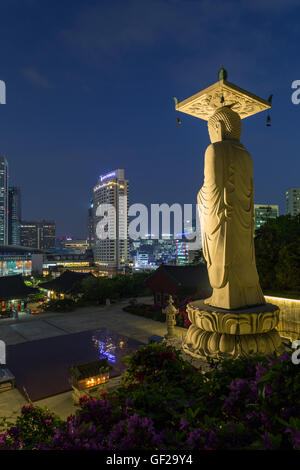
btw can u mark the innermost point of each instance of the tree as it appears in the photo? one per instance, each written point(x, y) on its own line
point(270, 239)
point(288, 267)
point(198, 258)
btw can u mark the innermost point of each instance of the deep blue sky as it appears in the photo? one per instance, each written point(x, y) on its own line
point(90, 88)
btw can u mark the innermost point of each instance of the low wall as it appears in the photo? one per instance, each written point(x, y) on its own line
point(289, 318)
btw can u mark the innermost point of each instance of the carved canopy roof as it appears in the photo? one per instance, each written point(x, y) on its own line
point(203, 104)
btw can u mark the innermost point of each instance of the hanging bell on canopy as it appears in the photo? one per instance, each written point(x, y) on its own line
point(178, 120)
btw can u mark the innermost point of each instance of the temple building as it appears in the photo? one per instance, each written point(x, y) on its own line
point(69, 284)
point(180, 282)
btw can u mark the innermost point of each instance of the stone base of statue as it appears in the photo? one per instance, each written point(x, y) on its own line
point(216, 332)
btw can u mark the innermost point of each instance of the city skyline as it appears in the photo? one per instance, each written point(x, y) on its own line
point(64, 67)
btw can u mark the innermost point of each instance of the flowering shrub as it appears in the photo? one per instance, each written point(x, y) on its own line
point(167, 404)
point(35, 426)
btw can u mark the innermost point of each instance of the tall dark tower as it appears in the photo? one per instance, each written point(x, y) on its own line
point(14, 215)
point(91, 236)
point(3, 201)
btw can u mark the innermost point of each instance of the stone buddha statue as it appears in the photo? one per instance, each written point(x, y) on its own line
point(226, 206)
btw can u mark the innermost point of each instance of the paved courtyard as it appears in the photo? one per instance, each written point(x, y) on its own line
point(46, 325)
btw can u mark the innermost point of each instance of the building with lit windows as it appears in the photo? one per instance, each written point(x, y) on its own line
point(111, 252)
point(292, 200)
point(14, 215)
point(3, 201)
point(182, 257)
point(56, 262)
point(38, 234)
point(263, 212)
point(19, 260)
point(73, 245)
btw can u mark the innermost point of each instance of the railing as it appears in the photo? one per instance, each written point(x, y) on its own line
point(289, 317)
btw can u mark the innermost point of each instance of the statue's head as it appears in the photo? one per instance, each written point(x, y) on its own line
point(224, 124)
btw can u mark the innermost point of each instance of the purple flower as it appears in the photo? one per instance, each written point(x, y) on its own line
point(268, 389)
point(295, 434)
point(260, 371)
point(266, 441)
point(134, 433)
point(183, 424)
point(284, 357)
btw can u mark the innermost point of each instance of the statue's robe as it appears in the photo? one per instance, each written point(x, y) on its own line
point(226, 206)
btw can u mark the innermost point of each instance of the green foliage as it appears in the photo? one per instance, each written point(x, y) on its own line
point(277, 253)
point(59, 305)
point(37, 278)
point(102, 288)
point(198, 258)
point(288, 268)
point(147, 311)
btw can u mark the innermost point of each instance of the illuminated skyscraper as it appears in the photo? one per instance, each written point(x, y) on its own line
point(292, 198)
point(111, 252)
point(3, 201)
point(14, 215)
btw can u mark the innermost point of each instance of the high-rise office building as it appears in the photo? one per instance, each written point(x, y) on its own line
point(263, 212)
point(38, 234)
point(48, 234)
point(3, 201)
point(292, 199)
point(14, 215)
point(111, 252)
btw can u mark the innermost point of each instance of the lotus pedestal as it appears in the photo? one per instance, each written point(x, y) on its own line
point(219, 333)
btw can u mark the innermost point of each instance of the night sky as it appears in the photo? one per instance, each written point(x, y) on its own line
point(90, 87)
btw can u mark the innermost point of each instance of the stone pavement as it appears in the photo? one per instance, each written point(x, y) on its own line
point(45, 325)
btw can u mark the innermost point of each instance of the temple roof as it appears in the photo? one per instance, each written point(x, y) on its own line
point(13, 287)
point(192, 277)
point(69, 282)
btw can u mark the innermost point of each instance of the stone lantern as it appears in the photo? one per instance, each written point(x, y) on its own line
point(170, 312)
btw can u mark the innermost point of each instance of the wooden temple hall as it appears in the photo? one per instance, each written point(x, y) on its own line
point(14, 295)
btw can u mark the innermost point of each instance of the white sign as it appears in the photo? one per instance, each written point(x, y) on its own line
point(2, 92)
point(2, 352)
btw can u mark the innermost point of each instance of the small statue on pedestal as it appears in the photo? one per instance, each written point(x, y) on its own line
point(170, 312)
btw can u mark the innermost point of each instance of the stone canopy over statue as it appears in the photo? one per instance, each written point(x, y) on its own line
point(235, 320)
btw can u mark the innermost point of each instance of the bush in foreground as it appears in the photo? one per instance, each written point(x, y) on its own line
point(167, 404)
